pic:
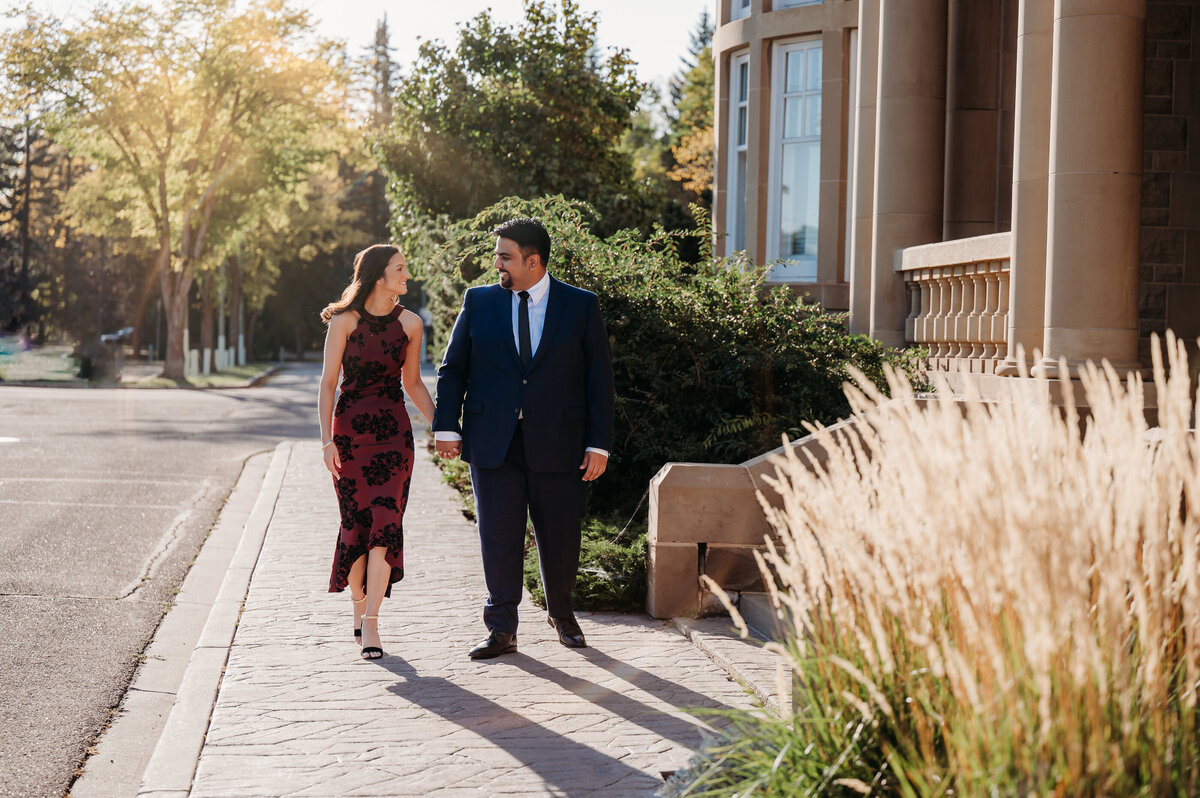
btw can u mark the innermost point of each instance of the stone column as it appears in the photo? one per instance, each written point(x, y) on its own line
point(972, 117)
point(858, 248)
point(1031, 166)
point(1095, 183)
point(910, 144)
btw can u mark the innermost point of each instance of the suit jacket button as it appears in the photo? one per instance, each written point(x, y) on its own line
point(524, 382)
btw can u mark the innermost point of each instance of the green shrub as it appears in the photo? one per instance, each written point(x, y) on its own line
point(612, 569)
point(712, 363)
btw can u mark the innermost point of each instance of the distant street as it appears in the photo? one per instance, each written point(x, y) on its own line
point(105, 498)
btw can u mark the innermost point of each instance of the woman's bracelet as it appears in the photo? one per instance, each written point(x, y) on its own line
point(325, 445)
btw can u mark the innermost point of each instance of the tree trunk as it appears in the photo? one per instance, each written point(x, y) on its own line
point(250, 323)
point(176, 289)
point(235, 305)
point(26, 208)
point(206, 323)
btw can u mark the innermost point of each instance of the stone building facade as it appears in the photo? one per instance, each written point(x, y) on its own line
point(979, 177)
point(1054, 142)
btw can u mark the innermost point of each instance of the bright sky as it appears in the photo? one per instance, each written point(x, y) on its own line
point(656, 32)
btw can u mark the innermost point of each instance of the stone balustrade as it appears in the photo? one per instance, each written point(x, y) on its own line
point(958, 301)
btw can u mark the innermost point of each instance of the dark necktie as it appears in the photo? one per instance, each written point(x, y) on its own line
point(523, 331)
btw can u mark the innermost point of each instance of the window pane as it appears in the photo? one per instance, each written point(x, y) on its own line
point(812, 114)
point(795, 72)
point(741, 128)
point(743, 82)
point(791, 117)
point(737, 235)
point(800, 181)
point(814, 69)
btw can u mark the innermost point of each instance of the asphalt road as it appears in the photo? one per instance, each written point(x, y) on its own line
point(105, 498)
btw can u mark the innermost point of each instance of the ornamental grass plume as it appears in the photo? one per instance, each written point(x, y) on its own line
point(992, 598)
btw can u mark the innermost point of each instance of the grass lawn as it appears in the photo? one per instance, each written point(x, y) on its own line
point(54, 365)
point(43, 364)
point(235, 377)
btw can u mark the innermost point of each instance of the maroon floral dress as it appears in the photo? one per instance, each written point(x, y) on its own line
point(374, 441)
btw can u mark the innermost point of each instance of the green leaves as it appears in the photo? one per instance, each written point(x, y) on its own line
point(522, 110)
point(712, 363)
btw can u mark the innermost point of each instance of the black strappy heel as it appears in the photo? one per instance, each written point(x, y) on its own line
point(372, 652)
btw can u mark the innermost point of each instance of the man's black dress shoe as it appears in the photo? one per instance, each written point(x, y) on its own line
point(497, 643)
point(569, 633)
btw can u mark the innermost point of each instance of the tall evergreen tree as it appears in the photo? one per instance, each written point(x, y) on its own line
point(382, 78)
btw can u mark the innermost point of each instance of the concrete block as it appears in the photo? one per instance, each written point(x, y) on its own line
point(705, 503)
point(733, 567)
point(673, 580)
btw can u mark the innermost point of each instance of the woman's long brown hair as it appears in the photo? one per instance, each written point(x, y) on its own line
point(368, 268)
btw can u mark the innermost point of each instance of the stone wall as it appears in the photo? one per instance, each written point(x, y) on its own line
point(1169, 284)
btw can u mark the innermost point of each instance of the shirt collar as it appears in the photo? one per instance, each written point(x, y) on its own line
point(539, 289)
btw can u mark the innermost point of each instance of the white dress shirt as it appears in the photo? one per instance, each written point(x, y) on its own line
point(539, 295)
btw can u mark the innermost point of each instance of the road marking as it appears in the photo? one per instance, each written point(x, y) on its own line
point(9, 440)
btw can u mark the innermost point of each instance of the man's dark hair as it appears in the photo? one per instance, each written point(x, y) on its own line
point(530, 235)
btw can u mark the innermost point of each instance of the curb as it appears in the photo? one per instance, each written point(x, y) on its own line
point(756, 669)
point(173, 763)
point(156, 739)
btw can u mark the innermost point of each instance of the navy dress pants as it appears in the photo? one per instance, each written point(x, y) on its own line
point(505, 498)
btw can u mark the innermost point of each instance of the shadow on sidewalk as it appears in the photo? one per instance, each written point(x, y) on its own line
point(650, 718)
point(556, 759)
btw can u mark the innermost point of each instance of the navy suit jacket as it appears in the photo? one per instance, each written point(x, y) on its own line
point(566, 395)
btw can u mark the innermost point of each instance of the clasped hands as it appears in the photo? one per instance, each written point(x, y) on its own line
point(593, 464)
point(448, 450)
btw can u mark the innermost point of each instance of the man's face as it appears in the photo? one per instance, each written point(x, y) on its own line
point(517, 272)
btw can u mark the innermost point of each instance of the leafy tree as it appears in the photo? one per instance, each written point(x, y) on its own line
point(516, 111)
point(170, 105)
point(316, 234)
point(12, 287)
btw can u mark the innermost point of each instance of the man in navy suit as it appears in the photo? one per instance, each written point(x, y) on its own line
point(529, 371)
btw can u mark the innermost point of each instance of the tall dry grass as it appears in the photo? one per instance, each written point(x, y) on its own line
point(993, 598)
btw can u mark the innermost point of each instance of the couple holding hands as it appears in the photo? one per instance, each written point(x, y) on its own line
point(528, 371)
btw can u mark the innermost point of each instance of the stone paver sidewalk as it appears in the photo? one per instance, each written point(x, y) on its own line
point(300, 714)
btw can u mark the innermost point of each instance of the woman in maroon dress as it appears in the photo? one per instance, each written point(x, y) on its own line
point(367, 440)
